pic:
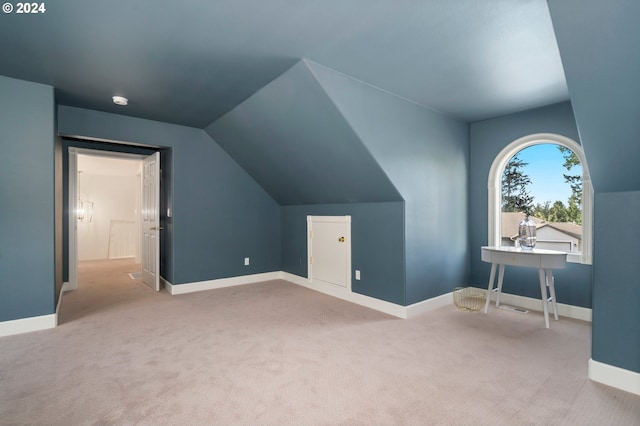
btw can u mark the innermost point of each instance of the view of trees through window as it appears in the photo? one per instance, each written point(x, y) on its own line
point(520, 193)
point(544, 181)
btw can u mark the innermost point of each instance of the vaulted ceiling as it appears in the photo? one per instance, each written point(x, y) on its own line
point(191, 62)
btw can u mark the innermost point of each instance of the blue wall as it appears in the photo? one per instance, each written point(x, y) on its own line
point(220, 214)
point(27, 127)
point(488, 138)
point(616, 293)
point(315, 136)
point(377, 245)
point(598, 43)
point(293, 141)
point(426, 156)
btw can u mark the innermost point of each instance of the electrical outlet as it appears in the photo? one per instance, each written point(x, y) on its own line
point(357, 275)
point(246, 261)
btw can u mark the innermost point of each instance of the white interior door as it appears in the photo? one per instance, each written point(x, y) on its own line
point(151, 221)
point(72, 283)
point(330, 250)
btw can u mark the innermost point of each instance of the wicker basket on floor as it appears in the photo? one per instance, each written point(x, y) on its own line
point(469, 298)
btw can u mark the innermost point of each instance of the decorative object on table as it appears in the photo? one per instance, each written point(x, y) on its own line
point(469, 299)
point(527, 233)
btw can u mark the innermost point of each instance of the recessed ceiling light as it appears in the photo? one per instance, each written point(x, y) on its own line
point(119, 100)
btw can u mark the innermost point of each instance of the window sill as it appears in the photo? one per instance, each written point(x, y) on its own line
point(577, 258)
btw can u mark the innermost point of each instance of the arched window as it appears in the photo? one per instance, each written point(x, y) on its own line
point(495, 238)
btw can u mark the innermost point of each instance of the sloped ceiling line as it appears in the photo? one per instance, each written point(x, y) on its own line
point(310, 66)
point(292, 139)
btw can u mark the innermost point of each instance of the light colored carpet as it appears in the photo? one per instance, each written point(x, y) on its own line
point(275, 353)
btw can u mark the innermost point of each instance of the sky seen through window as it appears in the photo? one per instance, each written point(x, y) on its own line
point(546, 173)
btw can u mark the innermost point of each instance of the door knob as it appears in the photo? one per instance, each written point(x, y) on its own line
point(341, 239)
point(157, 228)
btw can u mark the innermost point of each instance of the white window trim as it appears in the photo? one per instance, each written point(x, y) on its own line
point(495, 190)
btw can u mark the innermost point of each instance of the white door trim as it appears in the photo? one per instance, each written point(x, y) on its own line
point(72, 282)
point(72, 190)
point(150, 221)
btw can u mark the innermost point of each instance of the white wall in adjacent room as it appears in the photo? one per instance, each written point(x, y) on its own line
point(113, 186)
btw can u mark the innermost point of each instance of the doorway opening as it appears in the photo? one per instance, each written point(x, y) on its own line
point(113, 204)
point(108, 206)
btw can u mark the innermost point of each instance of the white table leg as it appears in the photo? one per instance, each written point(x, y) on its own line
point(543, 293)
point(500, 278)
point(492, 277)
point(552, 290)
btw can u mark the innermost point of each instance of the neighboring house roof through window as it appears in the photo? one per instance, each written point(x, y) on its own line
point(511, 220)
point(503, 227)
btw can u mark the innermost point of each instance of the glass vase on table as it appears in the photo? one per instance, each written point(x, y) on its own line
point(527, 233)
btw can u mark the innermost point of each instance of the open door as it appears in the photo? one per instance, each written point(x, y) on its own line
point(151, 221)
point(149, 208)
point(72, 283)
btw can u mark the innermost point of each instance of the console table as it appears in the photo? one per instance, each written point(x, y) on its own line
point(544, 260)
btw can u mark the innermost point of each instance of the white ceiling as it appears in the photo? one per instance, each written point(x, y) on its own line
point(90, 165)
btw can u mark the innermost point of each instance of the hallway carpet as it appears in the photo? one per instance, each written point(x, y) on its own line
point(274, 353)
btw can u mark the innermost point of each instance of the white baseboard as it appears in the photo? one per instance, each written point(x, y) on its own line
point(66, 286)
point(165, 284)
point(389, 308)
point(569, 311)
point(344, 294)
point(27, 325)
point(331, 290)
point(616, 377)
point(174, 289)
point(59, 303)
point(429, 305)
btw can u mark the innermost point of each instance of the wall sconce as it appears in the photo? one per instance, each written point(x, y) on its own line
point(84, 209)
